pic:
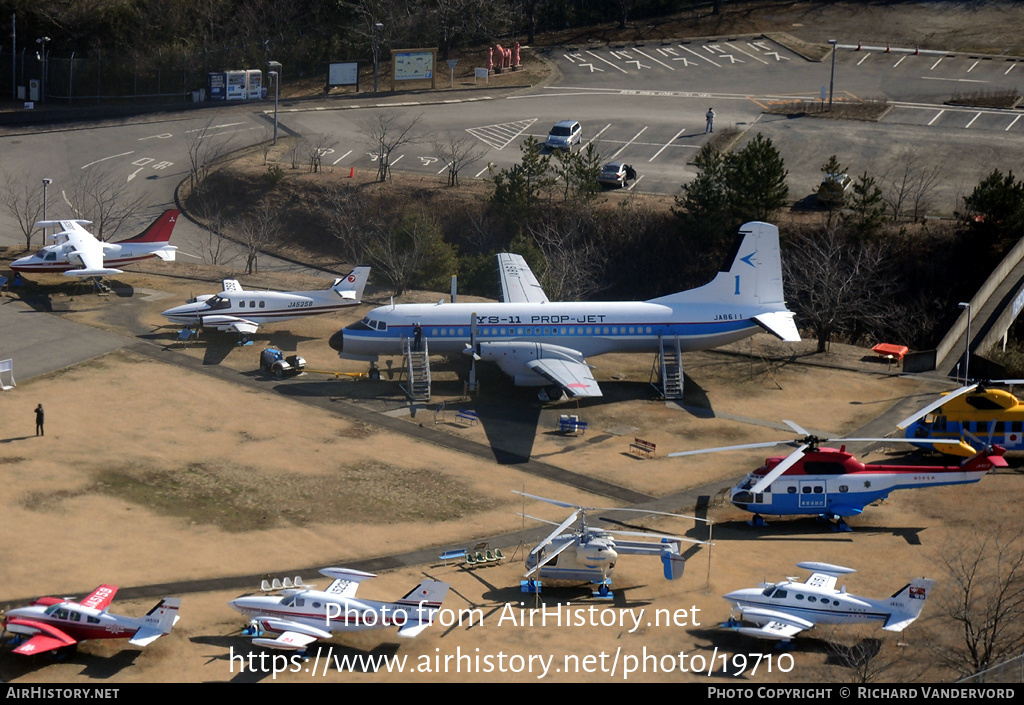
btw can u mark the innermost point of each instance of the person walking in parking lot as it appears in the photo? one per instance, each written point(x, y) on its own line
point(710, 117)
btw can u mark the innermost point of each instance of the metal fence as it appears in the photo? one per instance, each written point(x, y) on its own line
point(1009, 671)
point(75, 80)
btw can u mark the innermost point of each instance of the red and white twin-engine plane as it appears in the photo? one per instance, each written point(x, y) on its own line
point(53, 623)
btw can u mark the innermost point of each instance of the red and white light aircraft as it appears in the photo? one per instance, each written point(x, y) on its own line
point(783, 610)
point(300, 616)
point(77, 252)
point(53, 623)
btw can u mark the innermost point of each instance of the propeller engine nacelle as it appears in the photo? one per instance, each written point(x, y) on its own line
point(511, 357)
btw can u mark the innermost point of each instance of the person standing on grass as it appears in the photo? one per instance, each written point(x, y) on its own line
point(39, 420)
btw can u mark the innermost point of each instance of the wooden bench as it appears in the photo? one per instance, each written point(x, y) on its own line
point(468, 416)
point(571, 424)
point(641, 446)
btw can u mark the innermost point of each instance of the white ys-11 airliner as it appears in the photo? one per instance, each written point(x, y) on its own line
point(539, 342)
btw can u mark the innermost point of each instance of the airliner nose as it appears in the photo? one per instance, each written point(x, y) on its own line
point(337, 341)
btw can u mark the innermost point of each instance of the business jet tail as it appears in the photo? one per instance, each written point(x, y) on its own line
point(908, 602)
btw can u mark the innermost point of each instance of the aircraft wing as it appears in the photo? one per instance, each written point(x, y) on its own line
point(293, 636)
point(44, 637)
point(822, 580)
point(87, 249)
point(231, 323)
point(100, 598)
point(346, 580)
point(773, 624)
point(780, 324)
point(518, 283)
point(575, 377)
point(413, 629)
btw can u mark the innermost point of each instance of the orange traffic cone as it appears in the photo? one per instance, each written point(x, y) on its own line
point(887, 50)
point(351, 172)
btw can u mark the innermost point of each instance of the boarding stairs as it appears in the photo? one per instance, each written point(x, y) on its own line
point(670, 364)
point(417, 365)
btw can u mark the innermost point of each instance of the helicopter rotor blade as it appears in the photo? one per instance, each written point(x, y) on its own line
point(789, 461)
point(646, 535)
point(561, 527)
point(935, 405)
point(556, 502)
point(796, 427)
point(745, 446)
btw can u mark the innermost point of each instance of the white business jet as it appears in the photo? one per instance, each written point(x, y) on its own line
point(235, 309)
point(539, 342)
point(77, 252)
point(300, 616)
point(783, 610)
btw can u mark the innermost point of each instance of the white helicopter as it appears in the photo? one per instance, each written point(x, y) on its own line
point(595, 551)
point(784, 609)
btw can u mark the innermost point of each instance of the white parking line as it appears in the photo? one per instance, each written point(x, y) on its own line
point(1012, 123)
point(666, 145)
point(866, 58)
point(699, 56)
point(971, 122)
point(899, 62)
point(972, 66)
point(601, 58)
point(653, 59)
point(752, 56)
point(628, 143)
point(937, 62)
point(342, 157)
point(937, 116)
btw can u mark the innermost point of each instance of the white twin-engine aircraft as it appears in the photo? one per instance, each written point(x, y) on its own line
point(300, 616)
point(539, 342)
point(77, 252)
point(235, 309)
point(782, 610)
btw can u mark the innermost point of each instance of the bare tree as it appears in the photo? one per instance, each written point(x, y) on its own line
point(837, 285)
point(388, 130)
point(315, 147)
point(205, 148)
point(983, 597)
point(257, 230)
point(458, 151)
point(23, 199)
point(207, 208)
point(354, 220)
point(909, 183)
point(105, 198)
point(573, 261)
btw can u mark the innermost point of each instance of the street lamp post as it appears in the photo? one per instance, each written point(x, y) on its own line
point(46, 182)
point(377, 26)
point(275, 73)
point(967, 344)
point(832, 78)
point(42, 54)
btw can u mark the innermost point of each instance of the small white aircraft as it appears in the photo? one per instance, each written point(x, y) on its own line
point(589, 554)
point(77, 253)
point(301, 615)
point(235, 309)
point(539, 342)
point(784, 609)
point(54, 623)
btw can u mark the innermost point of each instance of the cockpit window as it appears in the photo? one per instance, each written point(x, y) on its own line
point(218, 302)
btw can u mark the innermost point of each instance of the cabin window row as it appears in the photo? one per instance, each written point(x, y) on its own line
point(564, 330)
